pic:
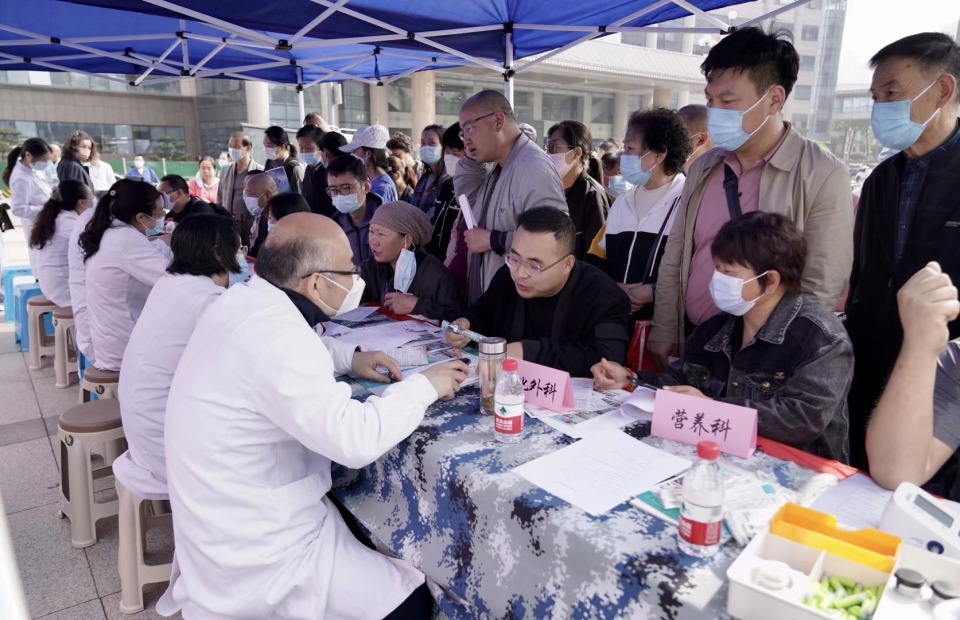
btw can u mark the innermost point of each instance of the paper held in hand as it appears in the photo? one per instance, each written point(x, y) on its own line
point(689, 419)
point(467, 212)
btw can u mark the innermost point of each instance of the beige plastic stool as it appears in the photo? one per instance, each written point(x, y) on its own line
point(103, 383)
point(65, 342)
point(81, 429)
point(134, 571)
point(41, 345)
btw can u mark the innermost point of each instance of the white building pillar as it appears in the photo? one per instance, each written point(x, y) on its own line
point(661, 97)
point(258, 103)
point(646, 101)
point(686, 41)
point(424, 88)
point(379, 108)
point(620, 112)
point(683, 97)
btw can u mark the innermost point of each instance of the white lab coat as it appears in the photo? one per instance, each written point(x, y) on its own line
point(102, 176)
point(29, 191)
point(119, 278)
point(52, 268)
point(78, 284)
point(156, 344)
point(254, 419)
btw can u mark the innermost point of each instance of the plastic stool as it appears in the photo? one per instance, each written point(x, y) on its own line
point(134, 571)
point(103, 383)
point(9, 275)
point(22, 294)
point(38, 309)
point(65, 343)
point(81, 429)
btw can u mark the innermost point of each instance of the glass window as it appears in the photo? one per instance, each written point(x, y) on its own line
point(803, 93)
point(602, 110)
point(810, 33)
point(450, 98)
point(523, 106)
point(400, 95)
point(808, 63)
point(562, 107)
point(355, 109)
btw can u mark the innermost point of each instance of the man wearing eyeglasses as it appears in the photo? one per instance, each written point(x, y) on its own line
point(257, 416)
point(552, 309)
point(522, 177)
point(348, 186)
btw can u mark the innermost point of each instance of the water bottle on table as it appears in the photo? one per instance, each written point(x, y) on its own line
point(508, 404)
point(701, 513)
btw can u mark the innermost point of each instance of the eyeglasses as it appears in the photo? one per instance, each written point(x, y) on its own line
point(557, 147)
point(533, 269)
point(342, 190)
point(467, 128)
point(353, 272)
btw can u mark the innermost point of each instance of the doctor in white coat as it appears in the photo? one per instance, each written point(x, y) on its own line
point(204, 254)
point(254, 419)
point(77, 280)
point(50, 238)
point(26, 176)
point(122, 265)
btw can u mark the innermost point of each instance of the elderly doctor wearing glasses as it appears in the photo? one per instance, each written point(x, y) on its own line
point(254, 420)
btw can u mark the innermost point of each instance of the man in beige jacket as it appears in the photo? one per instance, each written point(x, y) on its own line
point(761, 163)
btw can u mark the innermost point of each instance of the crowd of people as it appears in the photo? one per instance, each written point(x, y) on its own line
point(720, 228)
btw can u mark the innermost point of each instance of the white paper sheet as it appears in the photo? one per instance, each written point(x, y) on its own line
point(467, 211)
point(357, 315)
point(386, 336)
point(856, 501)
point(639, 405)
point(409, 357)
point(604, 470)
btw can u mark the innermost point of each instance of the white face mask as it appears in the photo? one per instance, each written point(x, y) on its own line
point(236, 154)
point(253, 204)
point(351, 301)
point(405, 271)
point(727, 293)
point(450, 164)
point(270, 152)
point(346, 204)
point(138, 165)
point(560, 161)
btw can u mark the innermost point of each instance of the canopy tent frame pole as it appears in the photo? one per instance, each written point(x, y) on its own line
point(508, 65)
point(301, 103)
point(56, 67)
point(319, 19)
point(363, 56)
point(410, 72)
point(184, 47)
point(213, 21)
point(121, 38)
point(162, 58)
point(242, 68)
point(342, 72)
point(207, 58)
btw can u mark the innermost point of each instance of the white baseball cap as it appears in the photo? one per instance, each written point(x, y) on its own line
point(368, 137)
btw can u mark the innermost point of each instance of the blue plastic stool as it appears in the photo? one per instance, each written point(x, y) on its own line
point(21, 295)
point(9, 275)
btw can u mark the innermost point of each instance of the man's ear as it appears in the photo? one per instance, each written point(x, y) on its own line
point(773, 281)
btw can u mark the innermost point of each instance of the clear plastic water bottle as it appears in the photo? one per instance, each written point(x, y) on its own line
point(508, 404)
point(701, 513)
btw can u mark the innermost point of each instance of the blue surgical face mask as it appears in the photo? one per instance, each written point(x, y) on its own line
point(157, 227)
point(430, 155)
point(893, 126)
point(632, 168)
point(236, 154)
point(617, 184)
point(726, 126)
point(240, 278)
point(309, 159)
point(405, 271)
point(40, 166)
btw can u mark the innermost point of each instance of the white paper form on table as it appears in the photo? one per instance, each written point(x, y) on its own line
point(857, 502)
point(639, 405)
point(386, 336)
point(358, 314)
point(599, 473)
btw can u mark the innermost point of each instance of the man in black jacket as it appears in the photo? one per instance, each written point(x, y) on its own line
point(553, 309)
point(909, 212)
point(179, 203)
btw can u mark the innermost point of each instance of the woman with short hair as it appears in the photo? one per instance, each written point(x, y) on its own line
point(769, 349)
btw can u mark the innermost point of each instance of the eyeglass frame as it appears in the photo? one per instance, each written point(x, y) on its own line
point(550, 146)
point(467, 128)
point(339, 192)
point(356, 271)
point(525, 264)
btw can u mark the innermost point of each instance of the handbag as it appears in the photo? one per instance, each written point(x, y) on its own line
point(637, 355)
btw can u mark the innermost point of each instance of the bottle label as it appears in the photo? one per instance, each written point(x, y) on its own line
point(697, 533)
point(509, 418)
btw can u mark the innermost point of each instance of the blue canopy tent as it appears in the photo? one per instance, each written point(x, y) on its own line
point(304, 42)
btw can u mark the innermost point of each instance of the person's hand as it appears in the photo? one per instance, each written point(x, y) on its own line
point(687, 390)
point(366, 364)
point(609, 375)
point(455, 340)
point(478, 240)
point(515, 350)
point(400, 303)
point(662, 352)
point(639, 294)
point(446, 378)
point(927, 302)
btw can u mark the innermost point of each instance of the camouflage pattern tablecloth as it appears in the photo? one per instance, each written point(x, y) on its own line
point(447, 500)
